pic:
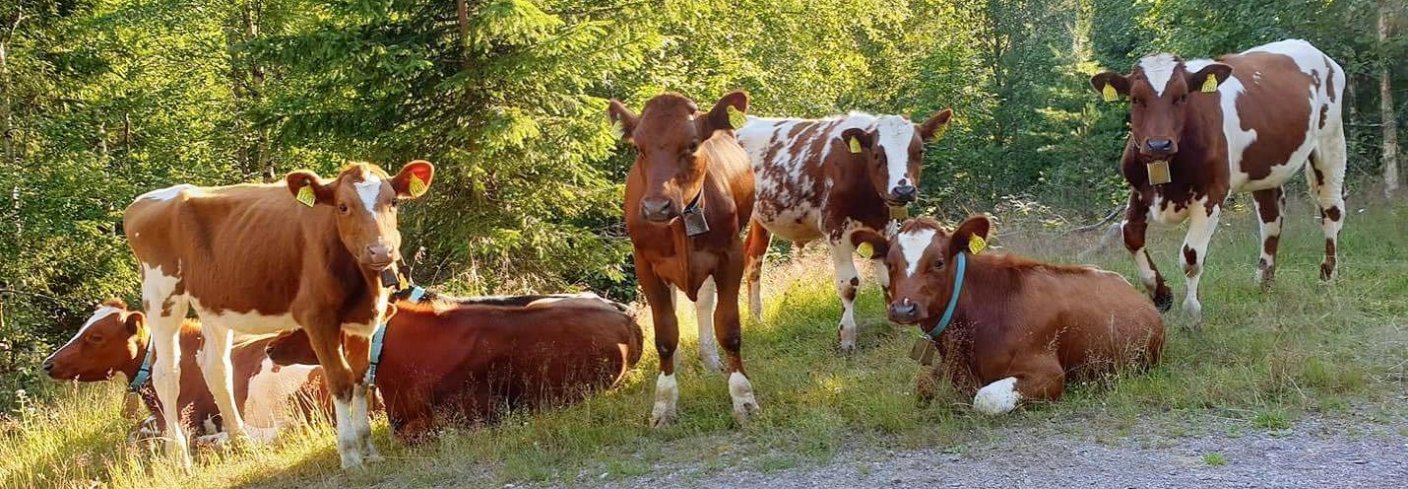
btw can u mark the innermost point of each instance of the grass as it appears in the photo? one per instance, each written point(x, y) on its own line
point(1262, 361)
point(1214, 459)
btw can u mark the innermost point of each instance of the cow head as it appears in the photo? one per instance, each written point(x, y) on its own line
point(364, 198)
point(1159, 89)
point(109, 342)
point(291, 348)
point(667, 135)
point(893, 152)
point(919, 260)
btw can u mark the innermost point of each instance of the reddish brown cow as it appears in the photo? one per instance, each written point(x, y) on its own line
point(1200, 130)
point(827, 178)
point(115, 340)
point(469, 361)
point(688, 196)
point(259, 259)
point(1017, 328)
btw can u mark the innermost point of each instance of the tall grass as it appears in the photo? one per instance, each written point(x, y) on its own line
point(1263, 359)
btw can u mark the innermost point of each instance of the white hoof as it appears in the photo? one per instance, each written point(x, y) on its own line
point(745, 406)
point(848, 338)
point(667, 394)
point(997, 398)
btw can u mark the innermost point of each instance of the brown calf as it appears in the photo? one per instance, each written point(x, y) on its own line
point(469, 362)
point(115, 340)
point(260, 259)
point(688, 197)
point(1019, 329)
point(1248, 122)
point(827, 178)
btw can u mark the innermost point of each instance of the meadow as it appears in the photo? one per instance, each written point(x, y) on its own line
point(1263, 361)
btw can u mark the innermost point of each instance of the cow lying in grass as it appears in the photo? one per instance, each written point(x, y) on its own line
point(469, 361)
point(1017, 328)
point(115, 340)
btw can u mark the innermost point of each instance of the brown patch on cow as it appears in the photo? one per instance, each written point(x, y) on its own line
point(1327, 269)
point(1270, 245)
point(1319, 177)
point(1276, 107)
point(1324, 114)
point(1333, 213)
point(849, 293)
point(1330, 79)
point(1190, 261)
point(855, 281)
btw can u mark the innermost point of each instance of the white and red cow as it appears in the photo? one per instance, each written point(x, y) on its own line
point(306, 254)
point(827, 178)
point(1201, 129)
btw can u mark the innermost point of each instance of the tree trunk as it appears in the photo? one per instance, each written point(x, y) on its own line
point(7, 121)
point(462, 12)
point(1390, 122)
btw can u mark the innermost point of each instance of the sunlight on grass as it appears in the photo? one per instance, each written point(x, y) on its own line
point(1262, 359)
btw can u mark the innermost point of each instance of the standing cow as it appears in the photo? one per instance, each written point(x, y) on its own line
point(826, 179)
point(1247, 122)
point(688, 197)
point(259, 259)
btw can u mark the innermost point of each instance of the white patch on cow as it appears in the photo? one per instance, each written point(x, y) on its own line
point(99, 315)
point(348, 445)
point(1146, 269)
point(667, 394)
point(741, 391)
point(1158, 68)
point(369, 189)
point(252, 322)
point(271, 393)
point(704, 317)
point(896, 133)
point(167, 193)
point(999, 397)
point(912, 246)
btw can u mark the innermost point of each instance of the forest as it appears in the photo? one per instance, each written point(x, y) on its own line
point(102, 100)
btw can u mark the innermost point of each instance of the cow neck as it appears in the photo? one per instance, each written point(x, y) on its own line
point(139, 372)
point(951, 309)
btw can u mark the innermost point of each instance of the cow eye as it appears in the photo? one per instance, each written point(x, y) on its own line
point(693, 147)
point(95, 338)
point(342, 208)
point(1182, 98)
point(938, 265)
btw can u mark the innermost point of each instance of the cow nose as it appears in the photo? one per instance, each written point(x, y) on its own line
point(656, 209)
point(1159, 146)
point(904, 312)
point(904, 193)
point(379, 255)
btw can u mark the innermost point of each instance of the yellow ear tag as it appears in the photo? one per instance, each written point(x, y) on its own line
point(1210, 84)
point(855, 145)
point(736, 117)
point(866, 250)
point(1109, 92)
point(976, 244)
point(417, 186)
point(618, 130)
point(305, 195)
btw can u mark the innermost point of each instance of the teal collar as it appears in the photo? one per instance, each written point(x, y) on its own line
point(952, 299)
point(378, 340)
point(144, 372)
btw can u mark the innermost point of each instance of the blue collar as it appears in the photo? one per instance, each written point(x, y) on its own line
point(378, 339)
point(144, 373)
point(952, 299)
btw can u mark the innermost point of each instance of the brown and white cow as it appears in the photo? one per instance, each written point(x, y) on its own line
point(260, 259)
point(688, 197)
point(1011, 329)
point(827, 178)
point(115, 340)
point(467, 361)
point(1244, 123)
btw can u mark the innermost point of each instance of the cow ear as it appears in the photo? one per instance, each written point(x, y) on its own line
point(730, 112)
point(1111, 85)
point(413, 180)
point(935, 126)
point(856, 139)
point(136, 322)
point(870, 244)
point(971, 236)
point(623, 121)
point(1218, 72)
point(308, 188)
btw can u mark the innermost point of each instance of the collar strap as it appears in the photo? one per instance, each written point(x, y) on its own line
point(414, 294)
point(952, 299)
point(696, 204)
point(144, 372)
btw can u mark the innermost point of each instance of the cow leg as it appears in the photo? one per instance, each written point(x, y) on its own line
point(1040, 378)
point(325, 336)
point(756, 249)
point(704, 315)
point(1136, 222)
point(729, 331)
point(1270, 207)
point(220, 378)
point(165, 308)
point(358, 351)
point(847, 281)
point(1327, 166)
point(1202, 222)
point(660, 297)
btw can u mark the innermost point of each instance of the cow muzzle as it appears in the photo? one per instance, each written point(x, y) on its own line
point(904, 312)
point(1157, 147)
point(903, 194)
point(657, 209)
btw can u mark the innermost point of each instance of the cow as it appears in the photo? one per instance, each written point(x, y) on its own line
point(470, 361)
point(1201, 129)
point(827, 178)
point(689, 195)
point(263, 258)
point(1011, 329)
point(115, 340)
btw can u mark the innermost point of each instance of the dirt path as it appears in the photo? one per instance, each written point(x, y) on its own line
point(1313, 453)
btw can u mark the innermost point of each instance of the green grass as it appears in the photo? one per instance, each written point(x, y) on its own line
point(1262, 361)
point(1214, 459)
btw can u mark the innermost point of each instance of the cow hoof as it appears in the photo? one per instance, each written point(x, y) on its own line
point(1327, 272)
point(743, 413)
point(217, 440)
point(712, 363)
point(745, 405)
point(662, 419)
point(351, 459)
point(1164, 302)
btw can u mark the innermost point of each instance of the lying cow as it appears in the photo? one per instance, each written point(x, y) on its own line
point(471, 361)
point(1018, 328)
point(823, 179)
point(1202, 129)
point(115, 340)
